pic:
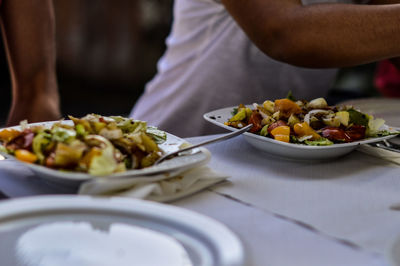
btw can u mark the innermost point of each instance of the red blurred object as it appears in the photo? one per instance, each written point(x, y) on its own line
point(387, 79)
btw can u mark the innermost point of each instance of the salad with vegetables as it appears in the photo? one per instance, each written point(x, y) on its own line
point(94, 144)
point(308, 122)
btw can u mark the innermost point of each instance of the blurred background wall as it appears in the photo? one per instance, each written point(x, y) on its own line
point(108, 49)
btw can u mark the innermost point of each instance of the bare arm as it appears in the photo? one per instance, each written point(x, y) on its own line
point(396, 60)
point(28, 29)
point(383, 2)
point(320, 35)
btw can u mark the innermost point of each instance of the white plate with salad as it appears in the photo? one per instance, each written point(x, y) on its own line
point(69, 152)
point(303, 130)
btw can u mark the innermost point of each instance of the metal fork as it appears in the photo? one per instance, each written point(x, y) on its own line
point(386, 146)
point(391, 144)
point(224, 137)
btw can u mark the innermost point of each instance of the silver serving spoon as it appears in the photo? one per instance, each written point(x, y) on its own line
point(224, 137)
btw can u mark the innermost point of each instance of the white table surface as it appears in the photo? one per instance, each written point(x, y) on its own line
point(285, 212)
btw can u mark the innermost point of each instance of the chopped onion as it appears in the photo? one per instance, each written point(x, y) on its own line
point(314, 112)
point(303, 138)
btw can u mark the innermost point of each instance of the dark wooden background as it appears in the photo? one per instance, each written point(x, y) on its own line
point(108, 49)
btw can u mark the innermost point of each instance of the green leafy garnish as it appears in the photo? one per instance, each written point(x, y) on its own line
point(128, 125)
point(61, 134)
point(358, 118)
point(294, 139)
point(384, 133)
point(319, 142)
point(290, 96)
point(157, 135)
point(234, 111)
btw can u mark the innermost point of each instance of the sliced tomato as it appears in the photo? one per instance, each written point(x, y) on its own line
point(335, 134)
point(255, 119)
point(356, 132)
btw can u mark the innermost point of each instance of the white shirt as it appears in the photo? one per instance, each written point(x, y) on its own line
point(210, 64)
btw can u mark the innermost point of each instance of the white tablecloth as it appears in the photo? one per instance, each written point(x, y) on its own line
point(286, 212)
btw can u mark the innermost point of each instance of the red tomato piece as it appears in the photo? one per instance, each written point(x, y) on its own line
point(356, 132)
point(255, 119)
point(335, 134)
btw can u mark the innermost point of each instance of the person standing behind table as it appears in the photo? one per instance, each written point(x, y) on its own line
point(28, 30)
point(222, 53)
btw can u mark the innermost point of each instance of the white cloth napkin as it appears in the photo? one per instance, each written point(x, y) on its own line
point(161, 188)
point(390, 156)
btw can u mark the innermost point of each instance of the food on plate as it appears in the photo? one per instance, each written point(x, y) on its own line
point(308, 122)
point(94, 144)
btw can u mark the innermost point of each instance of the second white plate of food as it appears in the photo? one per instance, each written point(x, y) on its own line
point(288, 150)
